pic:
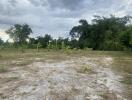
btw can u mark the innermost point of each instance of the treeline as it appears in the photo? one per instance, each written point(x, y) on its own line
point(103, 33)
point(46, 42)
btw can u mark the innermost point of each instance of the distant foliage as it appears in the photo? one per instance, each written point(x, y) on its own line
point(103, 33)
point(19, 33)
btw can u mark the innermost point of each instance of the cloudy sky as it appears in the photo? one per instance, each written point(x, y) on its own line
point(56, 17)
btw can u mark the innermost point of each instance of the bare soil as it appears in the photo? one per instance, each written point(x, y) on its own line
point(64, 77)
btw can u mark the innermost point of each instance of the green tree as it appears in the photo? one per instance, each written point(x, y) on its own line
point(1, 42)
point(126, 38)
point(102, 34)
point(106, 31)
point(19, 33)
point(81, 32)
point(44, 41)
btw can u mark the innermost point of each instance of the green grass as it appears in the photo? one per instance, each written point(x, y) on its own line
point(3, 69)
point(127, 80)
point(122, 59)
point(85, 70)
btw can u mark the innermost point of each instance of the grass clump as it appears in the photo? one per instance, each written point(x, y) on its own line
point(3, 69)
point(85, 69)
point(24, 63)
point(1, 56)
point(108, 96)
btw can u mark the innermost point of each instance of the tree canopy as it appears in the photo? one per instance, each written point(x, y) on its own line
point(19, 33)
point(103, 33)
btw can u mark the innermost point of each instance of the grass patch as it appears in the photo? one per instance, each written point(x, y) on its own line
point(2, 96)
point(12, 79)
point(22, 63)
point(85, 69)
point(108, 96)
point(0, 56)
point(3, 69)
point(123, 64)
point(127, 80)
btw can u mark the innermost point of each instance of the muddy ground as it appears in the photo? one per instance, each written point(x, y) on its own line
point(66, 76)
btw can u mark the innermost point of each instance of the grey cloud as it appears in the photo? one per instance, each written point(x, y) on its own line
point(60, 4)
point(56, 17)
point(35, 2)
point(13, 2)
point(66, 4)
point(38, 2)
point(6, 22)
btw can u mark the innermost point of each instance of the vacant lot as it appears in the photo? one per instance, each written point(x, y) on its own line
point(65, 75)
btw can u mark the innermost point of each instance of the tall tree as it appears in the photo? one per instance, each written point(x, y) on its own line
point(126, 37)
point(19, 33)
point(81, 33)
point(103, 33)
point(106, 31)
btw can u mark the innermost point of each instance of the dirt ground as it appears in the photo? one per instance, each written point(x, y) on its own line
point(66, 76)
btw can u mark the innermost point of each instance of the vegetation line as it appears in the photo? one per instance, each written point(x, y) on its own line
point(104, 33)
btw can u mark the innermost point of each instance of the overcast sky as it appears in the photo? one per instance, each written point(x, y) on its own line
point(56, 17)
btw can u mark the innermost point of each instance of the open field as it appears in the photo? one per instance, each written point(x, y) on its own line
point(65, 75)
